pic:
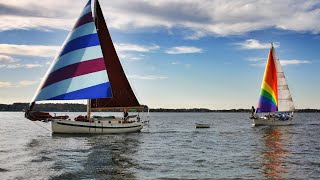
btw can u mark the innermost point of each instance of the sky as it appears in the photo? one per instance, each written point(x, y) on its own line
point(176, 54)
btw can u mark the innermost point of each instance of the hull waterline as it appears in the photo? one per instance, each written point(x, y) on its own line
point(96, 127)
point(261, 121)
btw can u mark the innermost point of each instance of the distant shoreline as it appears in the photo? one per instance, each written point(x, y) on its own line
point(16, 107)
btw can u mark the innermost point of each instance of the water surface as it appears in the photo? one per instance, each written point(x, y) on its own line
point(170, 147)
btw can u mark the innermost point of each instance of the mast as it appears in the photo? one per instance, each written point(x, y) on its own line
point(89, 109)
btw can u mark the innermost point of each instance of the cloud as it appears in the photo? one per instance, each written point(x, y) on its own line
point(218, 18)
point(24, 83)
point(293, 62)
point(256, 44)
point(19, 11)
point(183, 50)
point(130, 56)
point(5, 58)
point(258, 64)
point(135, 47)
point(201, 18)
point(5, 84)
point(256, 59)
point(15, 66)
point(29, 50)
point(123, 48)
point(187, 66)
point(283, 63)
point(43, 15)
point(147, 77)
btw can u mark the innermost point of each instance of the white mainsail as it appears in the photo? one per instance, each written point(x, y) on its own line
point(285, 102)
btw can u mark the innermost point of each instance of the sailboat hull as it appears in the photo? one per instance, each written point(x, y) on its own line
point(272, 121)
point(95, 127)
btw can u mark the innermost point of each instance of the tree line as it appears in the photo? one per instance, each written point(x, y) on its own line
point(74, 107)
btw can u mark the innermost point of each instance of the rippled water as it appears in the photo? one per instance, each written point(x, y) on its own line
point(170, 148)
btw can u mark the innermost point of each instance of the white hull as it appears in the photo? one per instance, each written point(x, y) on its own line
point(114, 126)
point(271, 121)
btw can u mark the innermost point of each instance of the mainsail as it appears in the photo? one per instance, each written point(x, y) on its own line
point(123, 96)
point(285, 102)
point(79, 71)
point(268, 101)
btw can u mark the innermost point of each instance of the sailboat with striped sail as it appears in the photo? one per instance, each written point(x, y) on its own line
point(275, 103)
point(88, 67)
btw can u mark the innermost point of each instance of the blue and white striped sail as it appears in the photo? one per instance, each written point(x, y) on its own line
point(79, 71)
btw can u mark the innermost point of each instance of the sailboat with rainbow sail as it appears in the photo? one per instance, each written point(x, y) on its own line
point(275, 105)
point(88, 67)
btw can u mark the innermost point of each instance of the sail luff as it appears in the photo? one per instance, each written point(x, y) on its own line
point(123, 95)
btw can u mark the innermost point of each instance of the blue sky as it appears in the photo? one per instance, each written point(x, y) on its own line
point(176, 54)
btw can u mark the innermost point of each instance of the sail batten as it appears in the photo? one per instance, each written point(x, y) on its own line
point(79, 71)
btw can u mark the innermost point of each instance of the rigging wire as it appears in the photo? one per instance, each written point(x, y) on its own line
point(41, 126)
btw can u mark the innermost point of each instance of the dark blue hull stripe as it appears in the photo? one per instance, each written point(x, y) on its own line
point(78, 125)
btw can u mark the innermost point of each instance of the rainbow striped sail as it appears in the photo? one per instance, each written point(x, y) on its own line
point(79, 71)
point(268, 101)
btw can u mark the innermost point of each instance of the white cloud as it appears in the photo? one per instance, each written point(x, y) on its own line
point(15, 66)
point(29, 50)
point(135, 47)
point(202, 18)
point(256, 59)
point(187, 66)
point(293, 62)
point(130, 56)
point(5, 58)
point(24, 83)
point(283, 63)
point(124, 48)
point(147, 77)
point(5, 84)
point(183, 50)
point(258, 64)
point(256, 44)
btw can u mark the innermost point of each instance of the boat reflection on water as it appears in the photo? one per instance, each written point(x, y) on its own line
point(114, 157)
point(107, 157)
point(274, 154)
